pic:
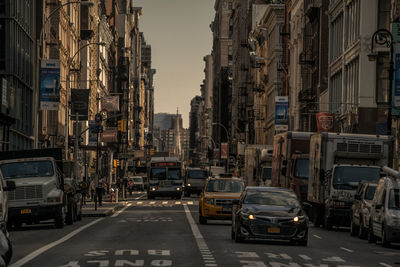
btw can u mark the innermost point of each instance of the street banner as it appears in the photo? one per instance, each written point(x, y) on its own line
point(110, 103)
point(109, 136)
point(92, 133)
point(4, 101)
point(396, 79)
point(281, 113)
point(224, 150)
point(50, 84)
point(80, 104)
point(325, 122)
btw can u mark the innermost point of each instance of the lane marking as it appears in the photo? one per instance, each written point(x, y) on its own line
point(43, 249)
point(305, 257)
point(190, 203)
point(384, 264)
point(201, 243)
point(346, 249)
point(165, 202)
point(316, 236)
point(139, 202)
point(152, 203)
point(121, 210)
point(178, 202)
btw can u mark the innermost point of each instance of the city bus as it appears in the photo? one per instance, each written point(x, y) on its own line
point(164, 178)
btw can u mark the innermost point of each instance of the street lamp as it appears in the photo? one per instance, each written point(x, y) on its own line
point(384, 37)
point(227, 152)
point(40, 55)
point(69, 61)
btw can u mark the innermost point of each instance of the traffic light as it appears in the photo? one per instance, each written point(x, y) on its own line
point(116, 163)
point(122, 125)
point(151, 151)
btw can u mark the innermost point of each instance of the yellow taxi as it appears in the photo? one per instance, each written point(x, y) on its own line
point(217, 198)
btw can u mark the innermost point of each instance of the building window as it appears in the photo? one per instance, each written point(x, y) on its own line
point(230, 5)
point(336, 37)
point(384, 14)
point(350, 91)
point(230, 27)
point(352, 22)
point(230, 55)
point(382, 81)
point(336, 93)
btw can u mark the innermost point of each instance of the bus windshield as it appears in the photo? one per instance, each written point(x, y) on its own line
point(161, 173)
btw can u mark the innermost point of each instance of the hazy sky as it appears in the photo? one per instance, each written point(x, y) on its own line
point(180, 36)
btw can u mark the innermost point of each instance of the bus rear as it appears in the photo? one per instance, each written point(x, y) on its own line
point(165, 178)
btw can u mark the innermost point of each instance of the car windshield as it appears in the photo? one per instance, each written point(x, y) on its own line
point(301, 169)
point(266, 173)
point(369, 192)
point(225, 186)
point(394, 199)
point(348, 177)
point(272, 198)
point(137, 180)
point(197, 174)
point(27, 169)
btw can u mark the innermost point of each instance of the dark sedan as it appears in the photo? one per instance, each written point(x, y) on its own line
point(269, 213)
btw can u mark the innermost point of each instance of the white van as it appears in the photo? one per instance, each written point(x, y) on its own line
point(384, 222)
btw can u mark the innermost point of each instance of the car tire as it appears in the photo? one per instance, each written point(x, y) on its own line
point(59, 218)
point(354, 229)
point(202, 220)
point(385, 241)
point(371, 236)
point(328, 223)
point(362, 231)
point(238, 237)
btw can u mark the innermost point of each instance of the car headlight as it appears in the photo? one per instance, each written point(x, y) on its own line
point(188, 184)
point(251, 217)
point(153, 189)
point(210, 201)
point(178, 189)
point(298, 219)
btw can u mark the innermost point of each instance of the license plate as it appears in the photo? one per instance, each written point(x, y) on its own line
point(26, 211)
point(274, 230)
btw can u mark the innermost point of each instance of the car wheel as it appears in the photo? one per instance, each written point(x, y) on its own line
point(354, 229)
point(385, 241)
point(328, 223)
point(371, 236)
point(362, 231)
point(238, 237)
point(60, 217)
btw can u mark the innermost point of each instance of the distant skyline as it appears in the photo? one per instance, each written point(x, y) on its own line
point(180, 36)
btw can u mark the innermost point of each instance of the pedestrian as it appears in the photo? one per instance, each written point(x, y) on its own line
point(92, 189)
point(99, 191)
point(84, 190)
point(130, 187)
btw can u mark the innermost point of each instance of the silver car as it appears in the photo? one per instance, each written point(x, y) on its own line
point(361, 209)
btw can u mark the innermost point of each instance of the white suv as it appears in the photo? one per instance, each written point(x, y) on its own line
point(385, 211)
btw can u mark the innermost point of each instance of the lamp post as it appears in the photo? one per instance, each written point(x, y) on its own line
point(40, 56)
point(384, 37)
point(227, 137)
point(69, 61)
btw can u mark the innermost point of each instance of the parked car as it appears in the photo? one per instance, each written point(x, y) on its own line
point(195, 179)
point(384, 222)
point(75, 200)
point(217, 198)
point(361, 209)
point(269, 213)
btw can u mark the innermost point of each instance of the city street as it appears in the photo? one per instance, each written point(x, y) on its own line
point(165, 232)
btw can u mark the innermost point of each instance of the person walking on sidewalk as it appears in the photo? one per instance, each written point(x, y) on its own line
point(84, 190)
point(99, 191)
point(91, 189)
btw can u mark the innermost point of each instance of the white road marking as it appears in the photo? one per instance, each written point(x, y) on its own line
point(152, 203)
point(178, 202)
point(384, 264)
point(201, 243)
point(120, 211)
point(245, 254)
point(305, 257)
point(139, 203)
point(43, 249)
point(346, 249)
point(316, 236)
point(190, 203)
point(165, 202)
point(334, 259)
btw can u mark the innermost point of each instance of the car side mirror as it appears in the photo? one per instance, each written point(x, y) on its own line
point(357, 197)
point(10, 186)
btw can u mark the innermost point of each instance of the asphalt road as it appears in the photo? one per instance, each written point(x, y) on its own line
point(166, 232)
